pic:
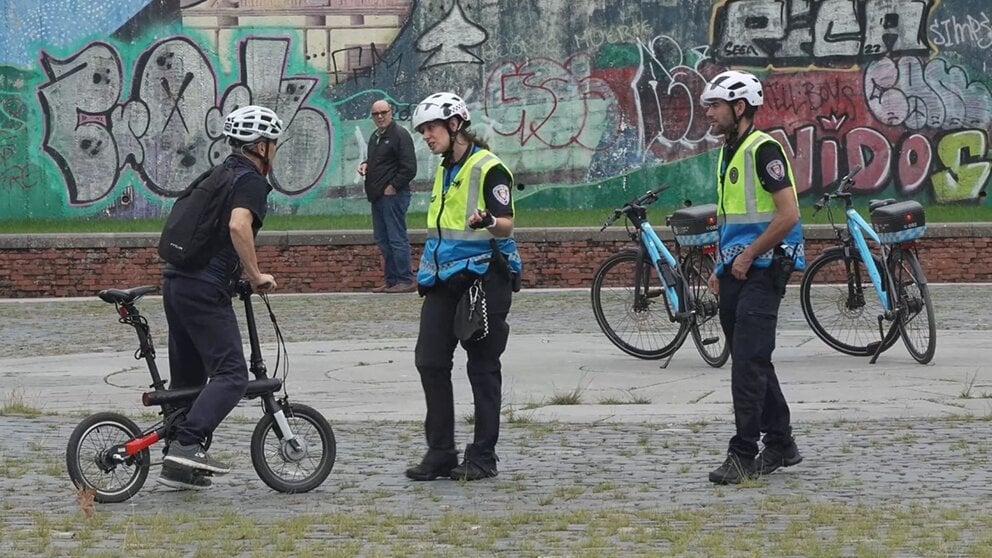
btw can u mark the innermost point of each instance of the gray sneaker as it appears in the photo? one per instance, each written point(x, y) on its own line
point(194, 456)
point(181, 478)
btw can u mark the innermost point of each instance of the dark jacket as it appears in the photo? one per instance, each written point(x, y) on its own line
point(391, 160)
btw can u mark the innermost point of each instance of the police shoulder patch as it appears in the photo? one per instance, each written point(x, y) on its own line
point(502, 194)
point(776, 169)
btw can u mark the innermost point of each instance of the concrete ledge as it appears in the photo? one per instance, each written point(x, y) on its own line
point(364, 237)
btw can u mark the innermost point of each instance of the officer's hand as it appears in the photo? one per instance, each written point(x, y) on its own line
point(264, 283)
point(713, 283)
point(362, 168)
point(742, 263)
point(481, 220)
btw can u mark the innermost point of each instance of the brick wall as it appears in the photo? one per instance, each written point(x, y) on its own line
point(343, 261)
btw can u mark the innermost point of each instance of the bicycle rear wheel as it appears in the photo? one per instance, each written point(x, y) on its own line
point(911, 298)
point(91, 458)
point(707, 333)
point(634, 316)
point(841, 306)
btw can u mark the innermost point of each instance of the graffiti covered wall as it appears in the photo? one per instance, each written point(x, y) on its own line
point(110, 107)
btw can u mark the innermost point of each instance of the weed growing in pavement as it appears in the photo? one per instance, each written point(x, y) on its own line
point(15, 404)
point(630, 399)
point(573, 397)
point(969, 384)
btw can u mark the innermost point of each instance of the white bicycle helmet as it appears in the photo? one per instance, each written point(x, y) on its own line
point(440, 106)
point(731, 86)
point(251, 123)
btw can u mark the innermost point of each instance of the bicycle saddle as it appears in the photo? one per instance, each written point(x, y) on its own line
point(875, 204)
point(125, 296)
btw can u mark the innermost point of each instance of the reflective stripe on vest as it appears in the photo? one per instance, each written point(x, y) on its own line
point(452, 245)
point(746, 208)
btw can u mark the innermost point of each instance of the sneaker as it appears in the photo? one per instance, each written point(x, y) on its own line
point(771, 458)
point(734, 470)
point(475, 467)
point(402, 288)
point(380, 289)
point(180, 478)
point(194, 456)
point(430, 469)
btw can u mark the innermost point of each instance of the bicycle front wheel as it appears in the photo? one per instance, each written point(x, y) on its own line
point(915, 310)
point(840, 303)
point(297, 465)
point(634, 314)
point(707, 333)
point(91, 458)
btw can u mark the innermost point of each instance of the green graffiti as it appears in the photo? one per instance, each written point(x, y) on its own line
point(963, 154)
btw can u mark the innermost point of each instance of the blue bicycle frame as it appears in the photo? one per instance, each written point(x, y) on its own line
point(658, 252)
point(857, 227)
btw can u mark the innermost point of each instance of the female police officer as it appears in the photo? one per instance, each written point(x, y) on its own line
point(469, 241)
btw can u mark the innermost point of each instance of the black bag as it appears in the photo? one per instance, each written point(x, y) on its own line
point(471, 320)
point(192, 232)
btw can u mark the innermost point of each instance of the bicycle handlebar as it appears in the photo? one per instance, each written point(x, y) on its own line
point(647, 199)
point(842, 185)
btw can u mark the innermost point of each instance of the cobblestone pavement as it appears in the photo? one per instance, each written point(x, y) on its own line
point(919, 486)
point(924, 488)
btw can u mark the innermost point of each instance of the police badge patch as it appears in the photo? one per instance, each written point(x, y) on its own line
point(502, 194)
point(776, 169)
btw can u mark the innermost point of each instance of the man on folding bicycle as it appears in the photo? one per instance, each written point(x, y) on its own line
point(204, 337)
point(761, 243)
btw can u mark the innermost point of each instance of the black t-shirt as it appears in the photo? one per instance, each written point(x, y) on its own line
point(498, 192)
point(251, 191)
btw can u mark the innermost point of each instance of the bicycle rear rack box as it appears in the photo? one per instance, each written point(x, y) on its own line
point(695, 226)
point(899, 222)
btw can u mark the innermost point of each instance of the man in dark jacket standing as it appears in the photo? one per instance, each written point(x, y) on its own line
point(388, 169)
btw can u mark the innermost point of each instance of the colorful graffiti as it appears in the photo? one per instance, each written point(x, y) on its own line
point(169, 129)
point(114, 110)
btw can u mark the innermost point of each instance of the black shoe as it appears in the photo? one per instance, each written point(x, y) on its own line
point(475, 466)
point(194, 457)
point(180, 478)
point(734, 470)
point(774, 457)
point(432, 467)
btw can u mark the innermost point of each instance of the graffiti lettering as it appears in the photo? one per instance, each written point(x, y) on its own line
point(830, 33)
point(169, 130)
point(964, 155)
point(905, 92)
point(595, 38)
point(555, 104)
point(963, 170)
point(668, 91)
point(972, 30)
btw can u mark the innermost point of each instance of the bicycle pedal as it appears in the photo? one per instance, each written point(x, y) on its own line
point(685, 316)
point(710, 340)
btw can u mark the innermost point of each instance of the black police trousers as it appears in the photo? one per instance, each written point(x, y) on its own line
point(749, 315)
point(434, 358)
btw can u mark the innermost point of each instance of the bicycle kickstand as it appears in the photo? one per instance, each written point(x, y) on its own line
point(886, 338)
point(664, 365)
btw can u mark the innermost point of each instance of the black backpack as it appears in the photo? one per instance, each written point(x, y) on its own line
point(192, 233)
